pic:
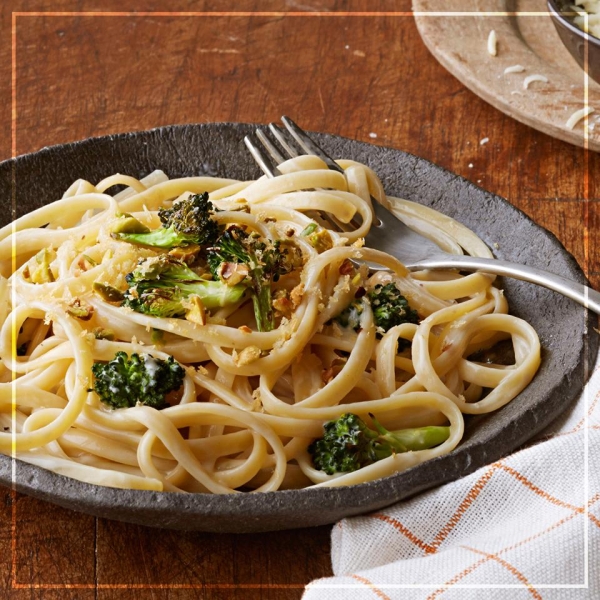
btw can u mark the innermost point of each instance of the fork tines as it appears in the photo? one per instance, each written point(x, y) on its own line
point(308, 144)
point(264, 161)
point(266, 152)
point(293, 140)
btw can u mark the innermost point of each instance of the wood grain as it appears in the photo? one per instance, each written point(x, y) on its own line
point(369, 78)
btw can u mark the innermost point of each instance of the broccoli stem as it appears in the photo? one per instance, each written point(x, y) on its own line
point(213, 294)
point(349, 443)
point(188, 222)
point(409, 440)
point(159, 238)
point(263, 309)
point(166, 299)
point(163, 287)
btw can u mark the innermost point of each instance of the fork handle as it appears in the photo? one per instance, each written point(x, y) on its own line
point(582, 294)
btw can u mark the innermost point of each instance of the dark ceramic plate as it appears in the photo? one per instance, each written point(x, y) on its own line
point(217, 149)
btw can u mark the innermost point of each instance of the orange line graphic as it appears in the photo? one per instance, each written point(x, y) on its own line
point(156, 586)
point(264, 13)
point(478, 486)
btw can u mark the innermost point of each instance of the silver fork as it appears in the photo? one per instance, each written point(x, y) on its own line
point(392, 236)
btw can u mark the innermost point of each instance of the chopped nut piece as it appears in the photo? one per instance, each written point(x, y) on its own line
point(90, 260)
point(346, 268)
point(297, 295)
point(282, 304)
point(85, 261)
point(80, 310)
point(321, 240)
point(336, 366)
point(187, 254)
point(104, 334)
point(247, 356)
point(42, 273)
point(245, 329)
point(107, 292)
point(196, 313)
point(233, 273)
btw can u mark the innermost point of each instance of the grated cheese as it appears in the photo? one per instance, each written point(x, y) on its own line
point(578, 115)
point(492, 44)
point(514, 69)
point(533, 78)
point(589, 18)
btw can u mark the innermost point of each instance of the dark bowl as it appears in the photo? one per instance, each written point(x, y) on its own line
point(217, 149)
point(576, 40)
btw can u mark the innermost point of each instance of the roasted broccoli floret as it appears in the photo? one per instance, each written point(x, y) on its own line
point(165, 287)
point(188, 222)
point(349, 444)
point(264, 261)
point(350, 316)
point(390, 308)
point(123, 382)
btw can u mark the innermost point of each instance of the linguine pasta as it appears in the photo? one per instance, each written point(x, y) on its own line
point(251, 401)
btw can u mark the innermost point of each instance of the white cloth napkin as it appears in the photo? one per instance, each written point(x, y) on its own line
point(527, 526)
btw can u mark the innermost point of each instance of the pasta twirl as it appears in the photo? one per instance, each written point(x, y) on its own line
point(252, 401)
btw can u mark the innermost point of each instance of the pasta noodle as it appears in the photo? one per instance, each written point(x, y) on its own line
point(251, 401)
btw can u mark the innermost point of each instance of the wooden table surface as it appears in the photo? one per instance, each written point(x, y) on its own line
point(78, 74)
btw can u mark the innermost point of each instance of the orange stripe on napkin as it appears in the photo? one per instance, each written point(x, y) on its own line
point(534, 488)
point(511, 568)
point(370, 585)
point(405, 532)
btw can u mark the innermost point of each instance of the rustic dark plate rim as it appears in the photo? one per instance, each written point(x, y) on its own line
point(404, 175)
